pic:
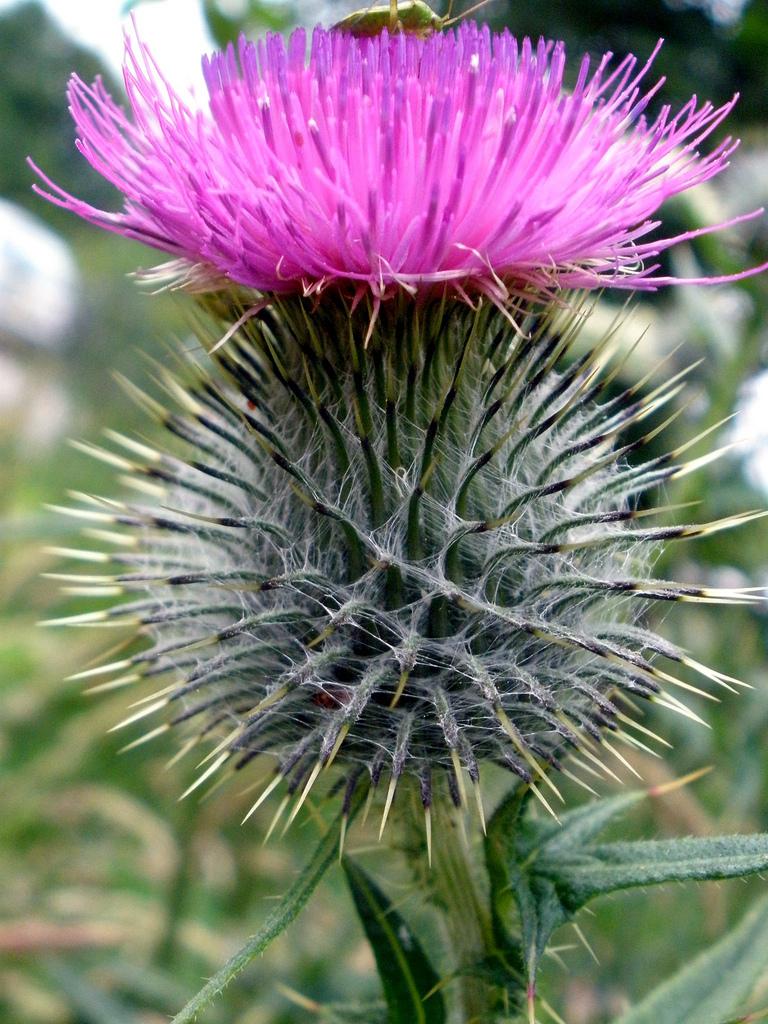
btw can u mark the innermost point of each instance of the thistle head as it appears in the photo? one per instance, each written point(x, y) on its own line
point(396, 562)
point(404, 545)
point(395, 162)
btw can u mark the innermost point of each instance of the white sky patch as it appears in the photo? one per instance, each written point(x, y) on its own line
point(174, 30)
point(38, 280)
point(751, 428)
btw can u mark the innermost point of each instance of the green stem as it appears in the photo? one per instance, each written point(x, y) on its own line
point(277, 921)
point(452, 883)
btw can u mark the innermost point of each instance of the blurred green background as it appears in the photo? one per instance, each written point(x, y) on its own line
point(116, 900)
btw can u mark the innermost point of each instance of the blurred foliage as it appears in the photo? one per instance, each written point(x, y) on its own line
point(701, 55)
point(37, 62)
point(257, 17)
point(117, 900)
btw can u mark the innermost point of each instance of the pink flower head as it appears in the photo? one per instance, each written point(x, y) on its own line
point(396, 161)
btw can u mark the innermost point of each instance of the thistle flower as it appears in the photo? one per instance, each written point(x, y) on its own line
point(408, 545)
point(397, 162)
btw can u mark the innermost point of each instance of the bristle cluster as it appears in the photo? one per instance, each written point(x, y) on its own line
point(406, 550)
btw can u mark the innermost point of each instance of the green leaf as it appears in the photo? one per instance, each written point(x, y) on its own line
point(543, 872)
point(407, 976)
point(577, 827)
point(716, 983)
point(499, 859)
point(287, 910)
point(580, 876)
point(519, 892)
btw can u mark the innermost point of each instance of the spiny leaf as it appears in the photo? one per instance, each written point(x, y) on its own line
point(580, 876)
point(510, 844)
point(580, 825)
point(548, 871)
point(499, 859)
point(713, 986)
point(407, 976)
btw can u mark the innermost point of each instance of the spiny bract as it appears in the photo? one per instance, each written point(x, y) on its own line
point(409, 557)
